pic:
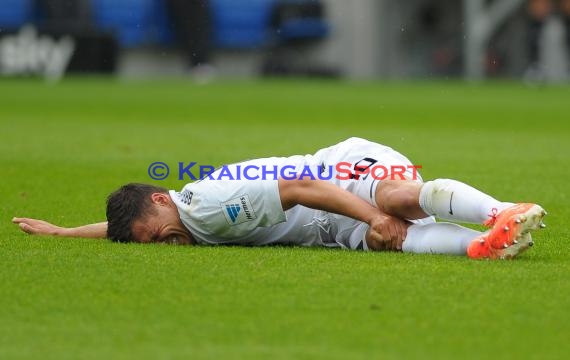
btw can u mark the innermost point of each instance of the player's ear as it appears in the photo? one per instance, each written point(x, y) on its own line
point(161, 199)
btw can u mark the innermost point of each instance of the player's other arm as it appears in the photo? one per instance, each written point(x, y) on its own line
point(40, 227)
point(386, 232)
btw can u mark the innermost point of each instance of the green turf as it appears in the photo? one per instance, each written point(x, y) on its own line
point(64, 147)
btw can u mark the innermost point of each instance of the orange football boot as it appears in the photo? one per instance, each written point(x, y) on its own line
point(510, 233)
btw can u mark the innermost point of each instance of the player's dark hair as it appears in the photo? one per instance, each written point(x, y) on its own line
point(129, 203)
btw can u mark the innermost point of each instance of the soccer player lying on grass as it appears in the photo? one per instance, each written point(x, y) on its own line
point(353, 208)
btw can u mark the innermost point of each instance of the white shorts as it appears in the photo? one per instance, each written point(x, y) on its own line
point(369, 164)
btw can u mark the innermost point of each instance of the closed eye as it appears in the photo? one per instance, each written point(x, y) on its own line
point(171, 239)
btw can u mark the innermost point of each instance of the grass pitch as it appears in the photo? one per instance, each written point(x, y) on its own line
point(64, 148)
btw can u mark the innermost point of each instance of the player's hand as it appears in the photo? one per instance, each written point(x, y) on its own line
point(38, 227)
point(386, 233)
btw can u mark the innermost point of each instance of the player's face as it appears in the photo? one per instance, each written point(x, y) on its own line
point(163, 226)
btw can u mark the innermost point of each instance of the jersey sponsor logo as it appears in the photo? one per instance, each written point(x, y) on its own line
point(238, 210)
point(233, 211)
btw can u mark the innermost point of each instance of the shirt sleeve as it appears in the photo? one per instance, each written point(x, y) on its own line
point(233, 208)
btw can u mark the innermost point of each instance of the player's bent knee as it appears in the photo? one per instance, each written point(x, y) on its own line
point(398, 197)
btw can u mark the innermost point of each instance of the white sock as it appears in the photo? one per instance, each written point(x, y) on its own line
point(438, 238)
point(455, 201)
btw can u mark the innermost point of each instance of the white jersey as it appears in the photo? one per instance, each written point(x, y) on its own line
point(237, 207)
point(228, 211)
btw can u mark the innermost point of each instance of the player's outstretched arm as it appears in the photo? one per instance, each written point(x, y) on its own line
point(386, 232)
point(40, 227)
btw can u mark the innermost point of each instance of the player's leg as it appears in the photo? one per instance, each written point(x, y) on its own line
point(430, 238)
point(444, 238)
point(443, 198)
point(453, 239)
point(450, 200)
point(456, 201)
point(373, 178)
point(408, 199)
point(427, 237)
point(439, 238)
